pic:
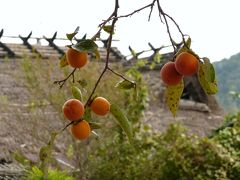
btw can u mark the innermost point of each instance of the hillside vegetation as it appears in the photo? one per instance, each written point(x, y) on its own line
point(228, 79)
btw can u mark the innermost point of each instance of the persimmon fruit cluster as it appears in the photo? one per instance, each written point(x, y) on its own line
point(76, 59)
point(73, 110)
point(185, 64)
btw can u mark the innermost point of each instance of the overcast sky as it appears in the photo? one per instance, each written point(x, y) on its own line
point(212, 24)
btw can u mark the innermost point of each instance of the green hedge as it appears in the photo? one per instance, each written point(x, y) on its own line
point(170, 155)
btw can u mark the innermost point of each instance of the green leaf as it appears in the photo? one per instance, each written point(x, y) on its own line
point(76, 92)
point(209, 70)
point(205, 79)
point(133, 53)
point(37, 172)
point(87, 114)
point(124, 84)
point(52, 139)
point(70, 36)
point(87, 45)
point(108, 29)
point(173, 96)
point(95, 125)
point(141, 63)
point(188, 42)
point(122, 120)
point(63, 61)
point(157, 57)
point(44, 153)
point(84, 37)
point(135, 94)
point(21, 158)
point(152, 65)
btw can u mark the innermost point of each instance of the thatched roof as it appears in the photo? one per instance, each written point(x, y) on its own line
point(52, 50)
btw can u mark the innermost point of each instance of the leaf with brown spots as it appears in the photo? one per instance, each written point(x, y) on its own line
point(207, 78)
point(173, 96)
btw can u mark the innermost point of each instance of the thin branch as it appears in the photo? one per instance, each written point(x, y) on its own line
point(67, 126)
point(95, 87)
point(62, 82)
point(130, 14)
point(166, 22)
point(144, 51)
point(114, 14)
point(149, 16)
point(120, 75)
point(178, 27)
point(165, 16)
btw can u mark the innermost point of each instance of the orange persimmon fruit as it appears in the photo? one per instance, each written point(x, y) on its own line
point(100, 106)
point(169, 74)
point(76, 59)
point(186, 64)
point(73, 109)
point(81, 130)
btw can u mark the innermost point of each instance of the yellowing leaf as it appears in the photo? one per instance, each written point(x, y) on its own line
point(209, 70)
point(63, 61)
point(173, 96)
point(95, 125)
point(97, 54)
point(205, 78)
point(157, 57)
point(122, 120)
point(70, 36)
point(108, 29)
point(185, 48)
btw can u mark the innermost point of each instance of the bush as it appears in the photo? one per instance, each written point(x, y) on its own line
point(170, 155)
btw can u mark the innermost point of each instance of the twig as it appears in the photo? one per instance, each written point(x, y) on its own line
point(62, 82)
point(165, 16)
point(134, 12)
point(166, 22)
point(178, 27)
point(144, 51)
point(67, 126)
point(118, 74)
point(149, 16)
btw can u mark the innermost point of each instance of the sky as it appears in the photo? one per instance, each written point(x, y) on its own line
point(213, 25)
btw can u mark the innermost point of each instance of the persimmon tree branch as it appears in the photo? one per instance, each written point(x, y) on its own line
point(114, 14)
point(62, 82)
point(165, 16)
point(113, 18)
